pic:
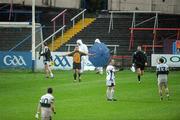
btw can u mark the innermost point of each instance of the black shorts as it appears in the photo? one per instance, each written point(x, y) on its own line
point(112, 85)
point(140, 66)
point(76, 65)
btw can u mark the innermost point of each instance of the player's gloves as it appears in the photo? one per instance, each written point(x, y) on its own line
point(37, 115)
point(133, 68)
point(52, 63)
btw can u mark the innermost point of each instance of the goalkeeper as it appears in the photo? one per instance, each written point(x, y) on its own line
point(140, 61)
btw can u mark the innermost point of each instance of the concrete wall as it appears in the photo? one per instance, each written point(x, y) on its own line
point(177, 7)
point(129, 5)
point(165, 6)
point(56, 3)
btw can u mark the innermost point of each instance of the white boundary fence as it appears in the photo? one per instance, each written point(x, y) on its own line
point(61, 63)
point(170, 59)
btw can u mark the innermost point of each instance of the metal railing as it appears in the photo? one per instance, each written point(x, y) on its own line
point(57, 16)
point(52, 35)
point(89, 45)
point(73, 19)
point(130, 12)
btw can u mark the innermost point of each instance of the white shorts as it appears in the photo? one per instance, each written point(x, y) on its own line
point(46, 113)
point(110, 83)
point(162, 79)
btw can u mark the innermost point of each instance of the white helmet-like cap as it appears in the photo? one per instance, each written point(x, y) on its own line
point(97, 40)
point(79, 41)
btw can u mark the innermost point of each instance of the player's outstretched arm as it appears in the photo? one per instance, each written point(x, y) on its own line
point(68, 54)
point(89, 54)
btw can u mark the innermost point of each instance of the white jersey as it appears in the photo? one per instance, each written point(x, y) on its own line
point(110, 77)
point(83, 48)
point(46, 100)
point(162, 72)
point(84, 59)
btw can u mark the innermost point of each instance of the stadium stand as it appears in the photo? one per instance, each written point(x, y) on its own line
point(23, 14)
point(120, 35)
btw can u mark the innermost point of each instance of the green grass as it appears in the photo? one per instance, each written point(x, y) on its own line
point(21, 91)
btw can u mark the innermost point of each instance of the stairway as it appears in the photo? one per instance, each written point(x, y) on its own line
point(70, 33)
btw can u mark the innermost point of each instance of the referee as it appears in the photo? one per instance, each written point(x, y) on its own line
point(140, 61)
point(76, 54)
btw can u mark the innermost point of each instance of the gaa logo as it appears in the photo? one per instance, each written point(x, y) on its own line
point(14, 60)
point(165, 60)
point(173, 59)
point(61, 61)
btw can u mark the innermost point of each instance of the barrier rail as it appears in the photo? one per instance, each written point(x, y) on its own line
point(52, 35)
point(57, 16)
point(73, 19)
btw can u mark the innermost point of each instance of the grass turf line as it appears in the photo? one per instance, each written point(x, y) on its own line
point(21, 91)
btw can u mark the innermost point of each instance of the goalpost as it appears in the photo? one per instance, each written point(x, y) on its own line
point(23, 31)
point(16, 39)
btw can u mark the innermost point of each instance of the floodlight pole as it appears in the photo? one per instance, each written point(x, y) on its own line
point(33, 35)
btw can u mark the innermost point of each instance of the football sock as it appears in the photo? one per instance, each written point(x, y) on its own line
point(75, 76)
point(79, 75)
point(139, 78)
point(167, 92)
point(160, 93)
point(112, 93)
point(51, 74)
point(108, 93)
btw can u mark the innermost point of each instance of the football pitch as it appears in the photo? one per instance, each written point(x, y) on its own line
point(20, 93)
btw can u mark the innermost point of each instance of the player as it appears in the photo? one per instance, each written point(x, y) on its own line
point(47, 58)
point(162, 71)
point(76, 62)
point(140, 61)
point(83, 48)
point(110, 81)
point(46, 106)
